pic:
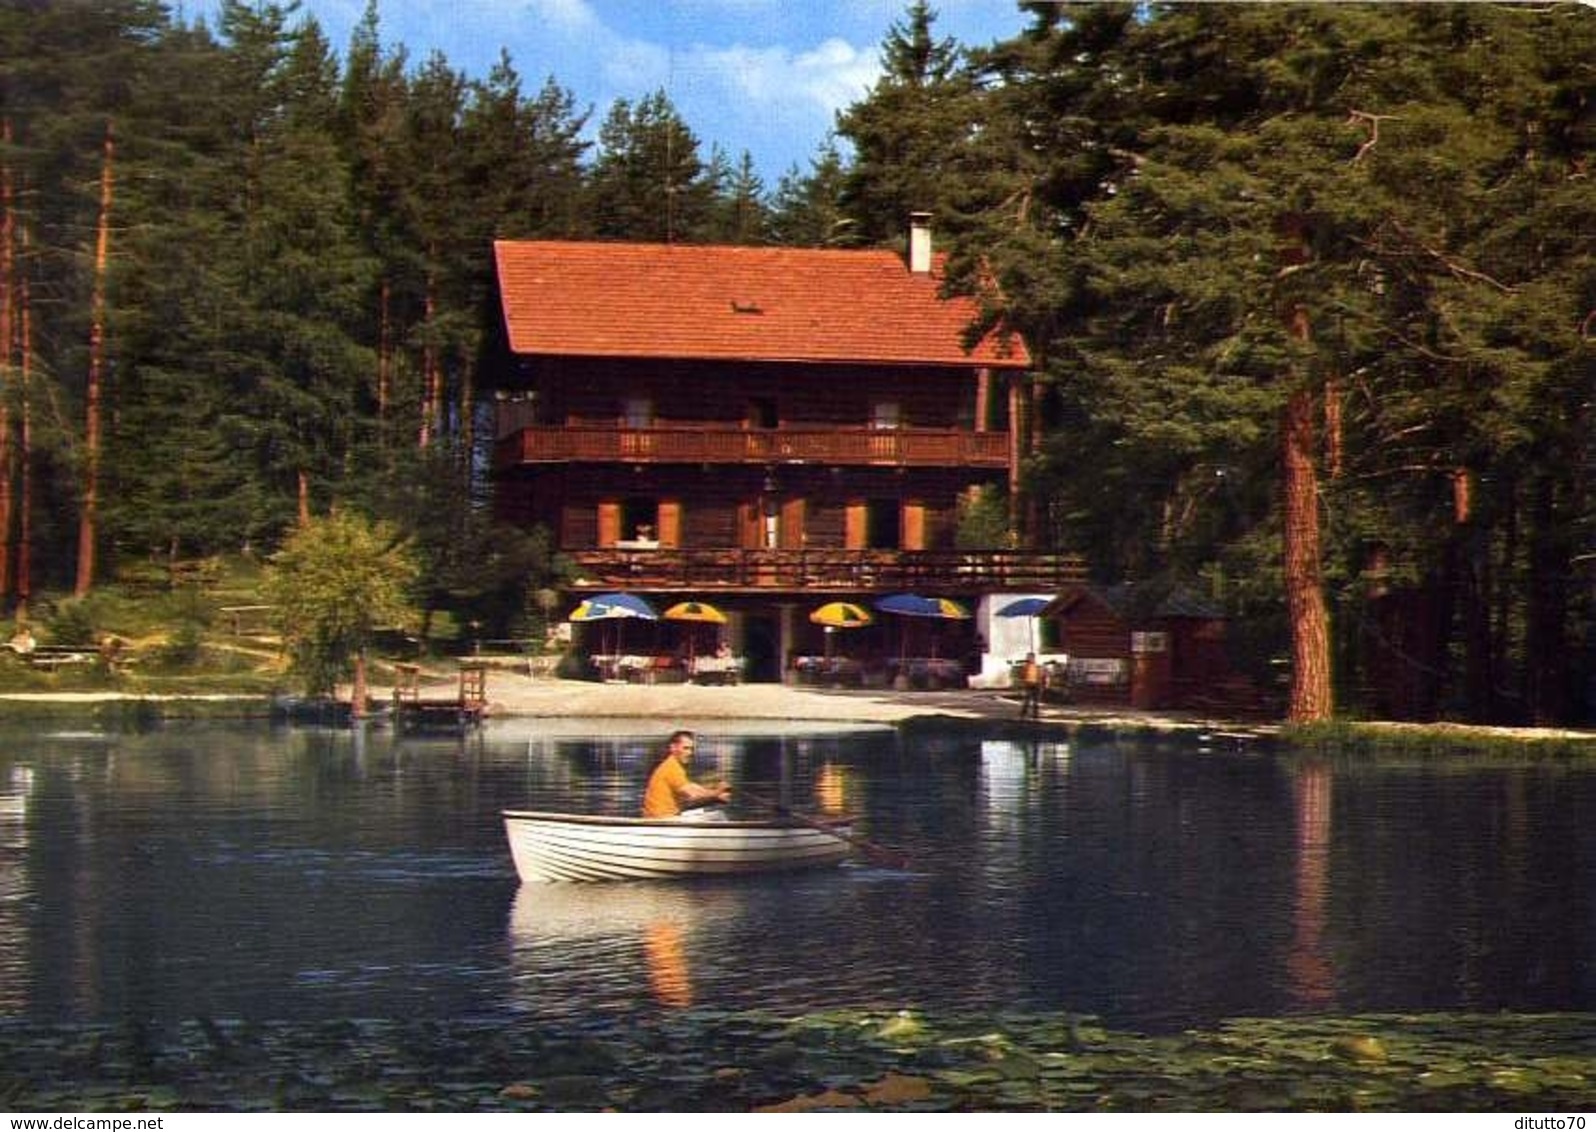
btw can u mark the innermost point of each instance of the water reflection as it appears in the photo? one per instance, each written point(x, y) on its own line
point(1309, 966)
point(14, 886)
point(624, 937)
point(237, 872)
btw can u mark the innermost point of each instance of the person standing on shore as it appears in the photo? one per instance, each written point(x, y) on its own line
point(1031, 680)
point(670, 790)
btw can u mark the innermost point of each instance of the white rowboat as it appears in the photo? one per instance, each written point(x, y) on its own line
point(583, 847)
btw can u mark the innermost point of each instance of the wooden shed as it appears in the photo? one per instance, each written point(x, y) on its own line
point(1144, 646)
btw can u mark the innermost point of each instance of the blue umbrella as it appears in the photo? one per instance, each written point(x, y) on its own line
point(1031, 607)
point(1025, 607)
point(913, 605)
point(607, 607)
point(614, 607)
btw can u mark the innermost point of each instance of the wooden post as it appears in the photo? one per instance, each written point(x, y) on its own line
point(357, 697)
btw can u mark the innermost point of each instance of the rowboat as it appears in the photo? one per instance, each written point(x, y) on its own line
point(587, 847)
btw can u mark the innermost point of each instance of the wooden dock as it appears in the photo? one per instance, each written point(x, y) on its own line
point(413, 711)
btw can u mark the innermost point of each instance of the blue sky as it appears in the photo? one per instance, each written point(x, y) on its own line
point(766, 76)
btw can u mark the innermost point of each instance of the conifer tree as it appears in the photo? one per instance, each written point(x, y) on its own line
point(807, 209)
point(648, 181)
point(909, 129)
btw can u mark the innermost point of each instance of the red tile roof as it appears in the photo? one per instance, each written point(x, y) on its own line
point(765, 304)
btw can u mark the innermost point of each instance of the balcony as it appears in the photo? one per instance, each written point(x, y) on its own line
point(943, 573)
point(894, 447)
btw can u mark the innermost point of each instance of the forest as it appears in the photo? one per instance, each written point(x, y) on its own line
point(1310, 288)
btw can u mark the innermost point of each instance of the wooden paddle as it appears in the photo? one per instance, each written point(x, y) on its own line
point(877, 855)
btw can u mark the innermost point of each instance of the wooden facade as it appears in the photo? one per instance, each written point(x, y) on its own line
point(1147, 650)
point(762, 425)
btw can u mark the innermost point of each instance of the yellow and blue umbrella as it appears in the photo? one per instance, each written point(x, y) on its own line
point(610, 607)
point(695, 611)
point(700, 612)
point(841, 615)
point(613, 607)
point(913, 605)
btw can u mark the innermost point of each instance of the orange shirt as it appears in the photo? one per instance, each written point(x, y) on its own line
point(662, 797)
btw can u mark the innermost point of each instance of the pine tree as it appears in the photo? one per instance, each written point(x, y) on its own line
point(1256, 232)
point(909, 130)
point(807, 210)
point(648, 181)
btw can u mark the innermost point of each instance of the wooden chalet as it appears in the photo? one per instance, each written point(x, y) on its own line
point(762, 428)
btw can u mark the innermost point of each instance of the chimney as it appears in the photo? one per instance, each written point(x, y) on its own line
point(920, 243)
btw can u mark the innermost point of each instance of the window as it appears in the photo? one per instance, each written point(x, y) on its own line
point(637, 412)
point(884, 532)
point(762, 413)
point(886, 414)
point(640, 519)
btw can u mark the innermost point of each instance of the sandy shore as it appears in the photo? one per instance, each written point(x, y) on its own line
point(513, 695)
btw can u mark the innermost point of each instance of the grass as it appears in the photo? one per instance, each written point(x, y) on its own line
point(174, 636)
point(1437, 740)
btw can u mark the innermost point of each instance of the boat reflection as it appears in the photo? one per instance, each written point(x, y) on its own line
point(631, 935)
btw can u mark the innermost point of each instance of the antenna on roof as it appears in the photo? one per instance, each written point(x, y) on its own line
point(670, 156)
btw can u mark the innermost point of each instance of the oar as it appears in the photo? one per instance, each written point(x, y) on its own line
point(875, 854)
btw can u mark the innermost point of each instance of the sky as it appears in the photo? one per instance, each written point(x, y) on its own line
point(765, 76)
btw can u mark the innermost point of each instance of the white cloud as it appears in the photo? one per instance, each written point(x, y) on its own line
point(827, 78)
point(572, 17)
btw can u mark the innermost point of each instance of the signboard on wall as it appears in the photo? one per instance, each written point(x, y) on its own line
point(1098, 670)
point(1143, 643)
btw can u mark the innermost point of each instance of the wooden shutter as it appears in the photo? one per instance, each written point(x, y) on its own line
point(670, 524)
point(856, 526)
point(609, 524)
point(792, 524)
point(914, 526)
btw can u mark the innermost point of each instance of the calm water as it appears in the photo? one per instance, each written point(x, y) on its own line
point(233, 872)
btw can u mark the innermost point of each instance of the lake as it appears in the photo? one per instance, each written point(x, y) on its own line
point(231, 871)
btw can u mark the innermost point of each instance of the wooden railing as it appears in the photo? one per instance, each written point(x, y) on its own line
point(924, 447)
point(932, 572)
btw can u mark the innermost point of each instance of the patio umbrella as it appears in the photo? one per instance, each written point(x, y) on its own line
point(836, 615)
point(914, 605)
point(1031, 607)
point(609, 607)
point(696, 611)
point(613, 607)
point(841, 615)
point(1025, 607)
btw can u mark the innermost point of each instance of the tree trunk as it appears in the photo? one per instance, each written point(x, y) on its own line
point(24, 582)
point(8, 294)
point(384, 353)
point(468, 431)
point(1546, 644)
point(357, 695)
point(304, 498)
point(431, 370)
point(1311, 697)
point(88, 518)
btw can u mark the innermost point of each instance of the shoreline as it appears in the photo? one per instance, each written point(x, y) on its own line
point(514, 695)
